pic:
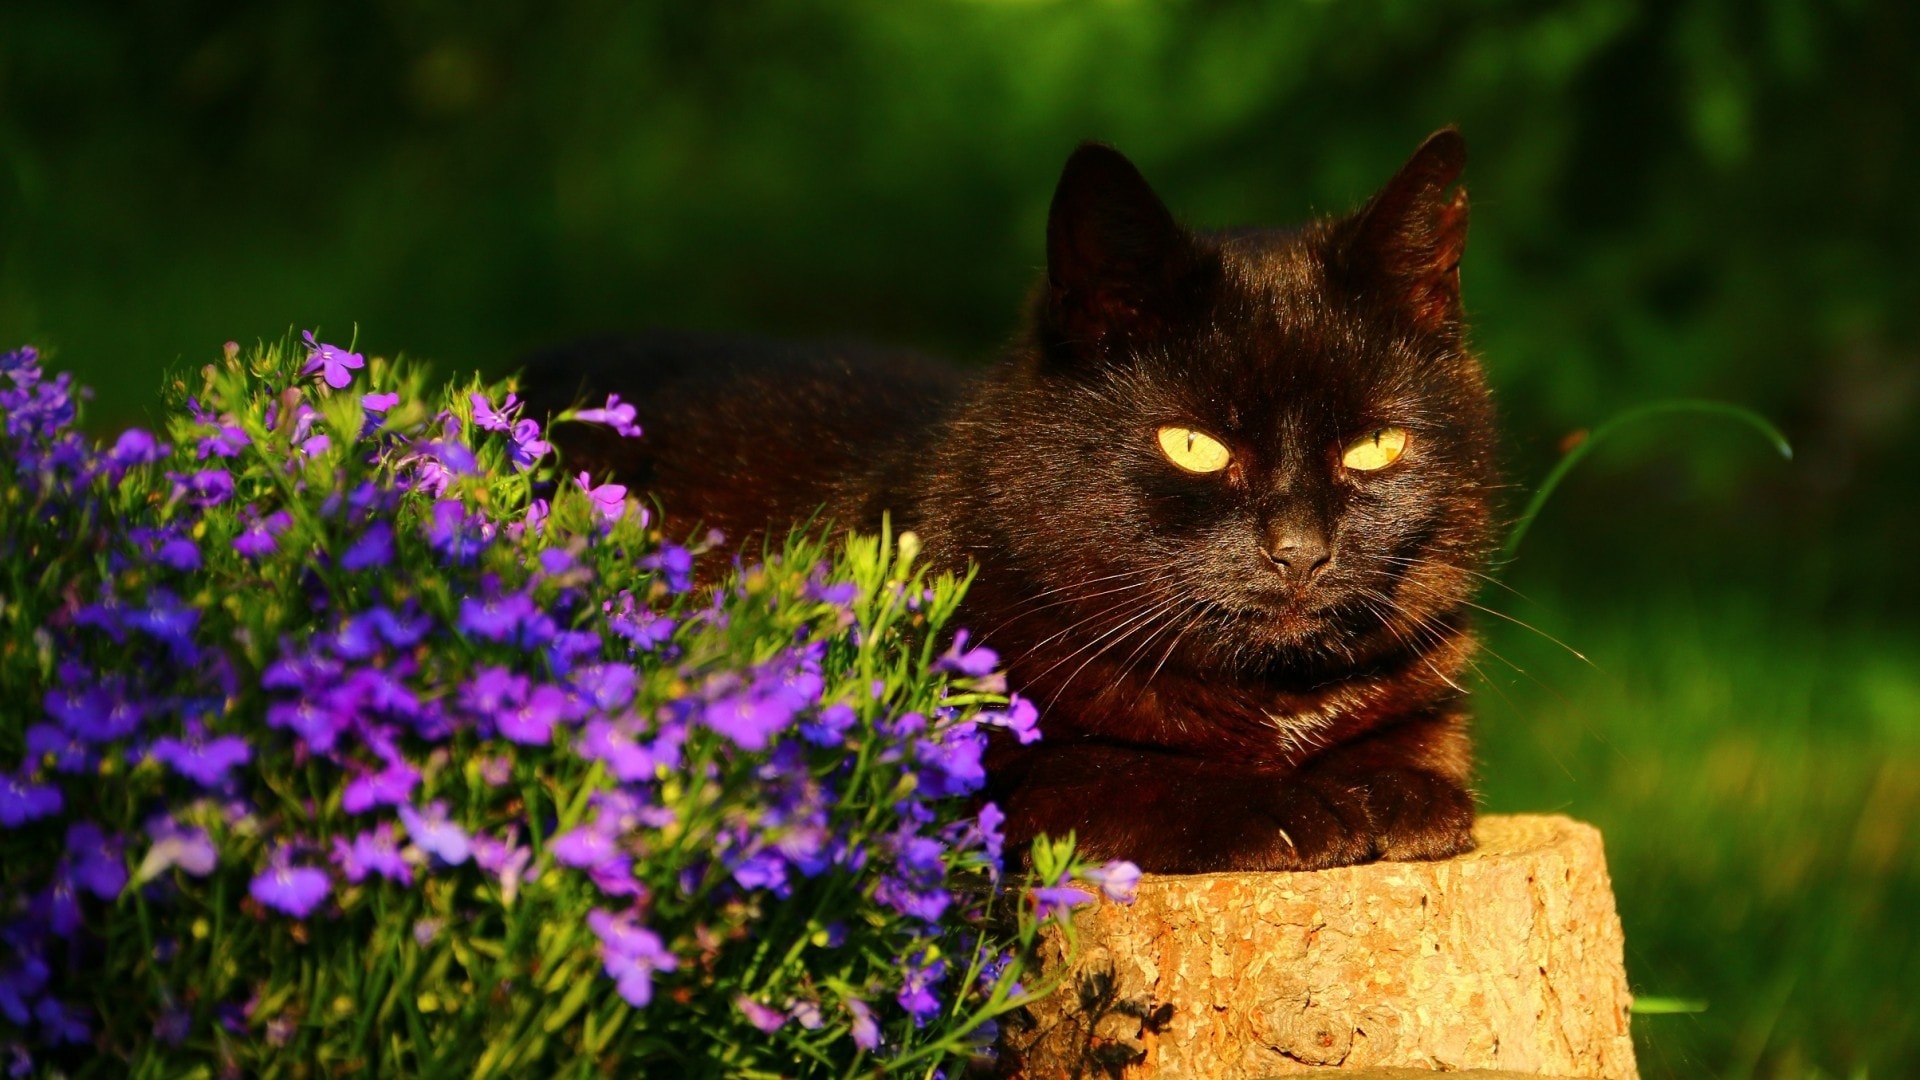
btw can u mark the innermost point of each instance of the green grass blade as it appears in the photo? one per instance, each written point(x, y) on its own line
point(1632, 416)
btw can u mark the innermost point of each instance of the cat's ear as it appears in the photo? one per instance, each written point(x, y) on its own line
point(1114, 251)
point(1405, 244)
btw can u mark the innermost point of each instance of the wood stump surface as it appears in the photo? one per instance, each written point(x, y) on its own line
point(1508, 958)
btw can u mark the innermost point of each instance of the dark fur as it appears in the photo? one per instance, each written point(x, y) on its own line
point(1209, 702)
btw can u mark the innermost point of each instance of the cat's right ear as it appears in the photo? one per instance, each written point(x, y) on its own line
point(1113, 252)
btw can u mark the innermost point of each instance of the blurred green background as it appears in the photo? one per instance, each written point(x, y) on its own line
point(1696, 197)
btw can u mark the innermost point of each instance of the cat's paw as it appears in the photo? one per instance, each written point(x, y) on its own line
point(1322, 821)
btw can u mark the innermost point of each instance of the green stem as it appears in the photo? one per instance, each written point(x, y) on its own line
point(1605, 431)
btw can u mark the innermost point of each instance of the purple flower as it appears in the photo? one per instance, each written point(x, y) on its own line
point(1118, 879)
point(608, 686)
point(317, 722)
point(865, 1030)
point(375, 851)
point(527, 447)
point(531, 721)
point(830, 727)
point(750, 720)
point(93, 861)
point(616, 414)
point(208, 487)
point(22, 800)
point(1056, 900)
point(379, 403)
point(675, 563)
point(391, 786)
point(225, 442)
point(289, 889)
point(134, 447)
point(373, 548)
point(20, 983)
point(488, 418)
point(180, 554)
point(62, 1023)
point(610, 744)
point(952, 761)
point(766, 1019)
point(632, 954)
point(174, 844)
point(609, 499)
point(260, 538)
point(202, 760)
point(916, 991)
point(434, 834)
point(492, 616)
point(584, 846)
point(505, 858)
point(993, 837)
point(642, 627)
point(1019, 717)
point(958, 659)
point(493, 690)
point(71, 754)
point(334, 364)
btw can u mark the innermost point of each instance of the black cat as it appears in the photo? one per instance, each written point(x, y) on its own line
point(1229, 496)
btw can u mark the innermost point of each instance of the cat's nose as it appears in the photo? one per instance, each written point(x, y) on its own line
point(1299, 552)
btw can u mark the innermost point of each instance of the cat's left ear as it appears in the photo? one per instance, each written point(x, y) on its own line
point(1407, 241)
point(1115, 255)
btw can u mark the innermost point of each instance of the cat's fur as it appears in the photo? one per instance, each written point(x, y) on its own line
point(1252, 669)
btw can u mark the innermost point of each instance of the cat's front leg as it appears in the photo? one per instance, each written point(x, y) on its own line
point(1400, 794)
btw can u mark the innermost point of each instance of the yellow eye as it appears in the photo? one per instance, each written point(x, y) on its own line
point(1375, 450)
point(1193, 451)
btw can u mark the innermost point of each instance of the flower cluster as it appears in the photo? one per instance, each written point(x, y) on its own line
point(350, 726)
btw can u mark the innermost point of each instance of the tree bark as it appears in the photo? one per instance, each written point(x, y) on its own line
point(1507, 958)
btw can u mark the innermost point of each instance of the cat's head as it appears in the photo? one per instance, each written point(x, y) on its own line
point(1272, 443)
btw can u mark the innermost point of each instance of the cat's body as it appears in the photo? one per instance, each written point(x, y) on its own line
point(1244, 642)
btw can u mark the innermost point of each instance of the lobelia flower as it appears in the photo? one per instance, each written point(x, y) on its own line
point(1019, 717)
point(391, 786)
point(289, 889)
point(864, 1028)
point(226, 441)
point(334, 364)
point(434, 834)
point(614, 745)
point(488, 418)
point(675, 563)
point(373, 548)
point(506, 859)
point(760, 1016)
point(202, 760)
point(22, 800)
point(632, 953)
point(261, 537)
point(1055, 900)
point(208, 487)
point(492, 616)
point(1117, 879)
point(379, 403)
point(616, 414)
point(610, 500)
point(530, 722)
point(174, 844)
point(916, 992)
point(375, 851)
point(975, 663)
point(71, 754)
point(527, 447)
point(750, 720)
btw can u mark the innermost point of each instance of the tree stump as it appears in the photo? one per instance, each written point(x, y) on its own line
point(1507, 958)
